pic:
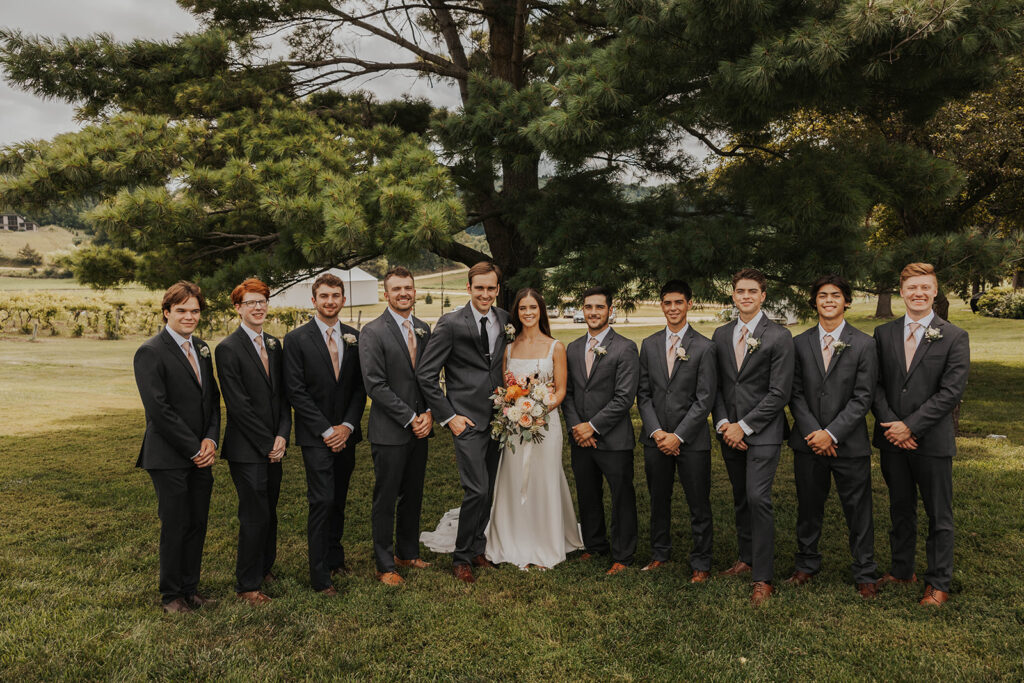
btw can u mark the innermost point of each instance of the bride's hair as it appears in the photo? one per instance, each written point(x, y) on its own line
point(544, 325)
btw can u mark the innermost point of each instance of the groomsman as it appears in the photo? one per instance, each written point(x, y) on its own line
point(678, 379)
point(400, 423)
point(833, 382)
point(468, 345)
point(325, 387)
point(602, 381)
point(249, 365)
point(923, 365)
point(755, 376)
point(174, 374)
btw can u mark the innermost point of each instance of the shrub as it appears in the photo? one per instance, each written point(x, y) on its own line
point(29, 256)
point(428, 299)
point(1002, 302)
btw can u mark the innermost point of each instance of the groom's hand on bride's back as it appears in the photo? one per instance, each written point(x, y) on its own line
point(459, 424)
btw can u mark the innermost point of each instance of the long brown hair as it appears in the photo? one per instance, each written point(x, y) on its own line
point(543, 324)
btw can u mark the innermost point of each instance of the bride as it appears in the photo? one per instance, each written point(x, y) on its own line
point(532, 518)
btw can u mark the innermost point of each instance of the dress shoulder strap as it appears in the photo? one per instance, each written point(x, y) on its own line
point(551, 349)
point(508, 354)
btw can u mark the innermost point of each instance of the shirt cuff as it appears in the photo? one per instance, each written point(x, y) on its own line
point(659, 429)
point(746, 428)
point(593, 427)
point(834, 439)
point(350, 427)
point(196, 455)
point(410, 420)
point(445, 422)
point(720, 423)
point(327, 432)
point(681, 439)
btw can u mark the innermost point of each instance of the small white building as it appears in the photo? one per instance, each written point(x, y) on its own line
point(15, 223)
point(360, 290)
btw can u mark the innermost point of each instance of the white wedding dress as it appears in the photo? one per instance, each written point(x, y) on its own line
point(532, 518)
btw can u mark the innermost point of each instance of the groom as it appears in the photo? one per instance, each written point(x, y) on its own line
point(468, 346)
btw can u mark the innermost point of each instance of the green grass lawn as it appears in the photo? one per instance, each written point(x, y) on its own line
point(78, 564)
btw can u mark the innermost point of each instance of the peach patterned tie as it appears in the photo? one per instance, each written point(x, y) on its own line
point(741, 347)
point(410, 341)
point(670, 355)
point(590, 354)
point(826, 351)
point(332, 348)
point(263, 353)
point(910, 344)
point(192, 361)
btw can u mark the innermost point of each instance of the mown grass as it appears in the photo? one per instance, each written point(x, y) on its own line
point(78, 565)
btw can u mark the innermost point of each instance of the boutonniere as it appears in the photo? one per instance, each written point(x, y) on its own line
point(510, 332)
point(271, 343)
point(419, 331)
point(681, 354)
point(600, 351)
point(932, 334)
point(349, 339)
point(204, 351)
point(838, 347)
point(753, 344)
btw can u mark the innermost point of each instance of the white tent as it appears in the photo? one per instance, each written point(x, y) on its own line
point(360, 290)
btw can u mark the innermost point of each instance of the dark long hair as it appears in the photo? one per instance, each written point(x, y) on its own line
point(543, 324)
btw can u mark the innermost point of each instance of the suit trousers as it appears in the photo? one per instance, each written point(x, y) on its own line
point(589, 465)
point(327, 477)
point(183, 500)
point(752, 473)
point(399, 472)
point(476, 456)
point(259, 486)
point(813, 474)
point(694, 471)
point(905, 474)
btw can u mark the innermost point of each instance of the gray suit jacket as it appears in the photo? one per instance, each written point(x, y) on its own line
point(837, 400)
point(924, 397)
point(389, 378)
point(758, 392)
point(603, 399)
point(680, 405)
point(469, 379)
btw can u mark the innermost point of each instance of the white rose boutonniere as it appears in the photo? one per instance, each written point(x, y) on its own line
point(600, 351)
point(204, 351)
point(510, 332)
point(681, 354)
point(932, 334)
point(753, 344)
point(838, 348)
point(350, 339)
point(271, 343)
point(419, 331)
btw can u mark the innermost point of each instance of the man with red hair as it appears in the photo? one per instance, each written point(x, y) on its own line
point(259, 422)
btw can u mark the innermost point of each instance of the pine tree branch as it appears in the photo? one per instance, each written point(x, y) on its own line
point(733, 150)
point(450, 33)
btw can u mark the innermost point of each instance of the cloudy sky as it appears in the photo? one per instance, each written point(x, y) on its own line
point(24, 116)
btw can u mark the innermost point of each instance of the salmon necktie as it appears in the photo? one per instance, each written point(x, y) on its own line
point(263, 354)
point(670, 355)
point(910, 344)
point(410, 341)
point(590, 354)
point(332, 348)
point(741, 347)
point(826, 351)
point(192, 361)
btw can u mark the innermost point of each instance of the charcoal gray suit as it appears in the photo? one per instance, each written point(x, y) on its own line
point(399, 458)
point(258, 413)
point(679, 404)
point(604, 399)
point(755, 394)
point(180, 414)
point(838, 400)
point(923, 398)
point(471, 373)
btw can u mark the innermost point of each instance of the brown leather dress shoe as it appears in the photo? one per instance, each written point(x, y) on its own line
point(463, 573)
point(177, 606)
point(762, 591)
point(933, 597)
point(330, 591)
point(740, 567)
point(416, 563)
point(254, 597)
point(587, 556)
point(799, 578)
point(868, 591)
point(390, 578)
point(699, 576)
point(615, 569)
point(653, 564)
point(889, 578)
point(195, 601)
point(481, 561)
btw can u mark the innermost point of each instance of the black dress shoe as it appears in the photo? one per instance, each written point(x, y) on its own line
point(195, 601)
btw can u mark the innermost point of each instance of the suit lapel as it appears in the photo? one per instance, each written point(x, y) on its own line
point(318, 341)
point(896, 339)
point(500, 342)
point(729, 330)
point(845, 338)
point(814, 344)
point(608, 338)
point(474, 330)
point(756, 334)
point(250, 350)
point(271, 354)
point(924, 346)
point(180, 356)
point(399, 335)
point(659, 344)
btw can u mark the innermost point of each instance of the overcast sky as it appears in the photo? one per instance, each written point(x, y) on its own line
point(24, 116)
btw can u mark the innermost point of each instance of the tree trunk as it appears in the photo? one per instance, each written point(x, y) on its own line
point(883, 309)
point(941, 306)
point(1018, 279)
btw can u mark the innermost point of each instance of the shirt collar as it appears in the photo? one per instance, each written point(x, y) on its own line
point(752, 325)
point(178, 339)
point(477, 315)
point(323, 326)
point(835, 333)
point(252, 333)
point(600, 337)
point(399, 319)
point(681, 333)
point(924, 322)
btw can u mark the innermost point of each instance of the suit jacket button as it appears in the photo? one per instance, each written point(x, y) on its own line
point(904, 390)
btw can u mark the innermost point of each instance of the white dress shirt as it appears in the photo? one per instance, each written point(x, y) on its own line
point(736, 333)
point(492, 325)
point(821, 345)
point(252, 337)
point(341, 354)
point(179, 340)
point(924, 323)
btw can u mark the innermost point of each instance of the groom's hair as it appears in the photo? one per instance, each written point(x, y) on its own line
point(595, 291)
point(483, 268)
point(831, 279)
point(676, 287)
point(180, 292)
point(914, 269)
point(751, 274)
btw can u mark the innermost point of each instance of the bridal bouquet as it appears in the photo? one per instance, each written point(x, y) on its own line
point(521, 409)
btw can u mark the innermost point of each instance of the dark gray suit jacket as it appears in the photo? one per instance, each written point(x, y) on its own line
point(758, 393)
point(320, 401)
point(680, 405)
point(924, 397)
point(469, 379)
point(258, 410)
point(179, 413)
point(603, 399)
point(837, 400)
point(390, 381)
